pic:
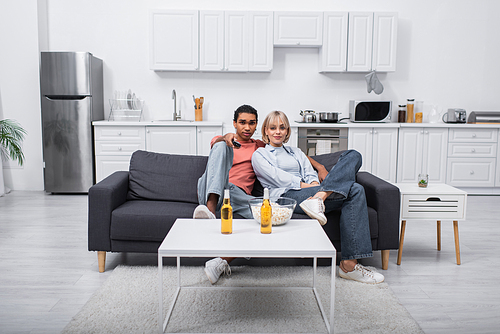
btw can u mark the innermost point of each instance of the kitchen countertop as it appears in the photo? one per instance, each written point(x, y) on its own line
point(156, 123)
point(295, 124)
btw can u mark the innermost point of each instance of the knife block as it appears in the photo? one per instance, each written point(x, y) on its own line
point(198, 114)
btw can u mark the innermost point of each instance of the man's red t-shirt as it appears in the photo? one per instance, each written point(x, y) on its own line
point(242, 174)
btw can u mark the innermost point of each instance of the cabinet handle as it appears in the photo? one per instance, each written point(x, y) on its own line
point(471, 172)
point(147, 131)
point(422, 131)
point(371, 131)
point(473, 135)
point(473, 150)
point(119, 133)
point(426, 132)
point(298, 43)
point(375, 132)
point(119, 148)
point(199, 131)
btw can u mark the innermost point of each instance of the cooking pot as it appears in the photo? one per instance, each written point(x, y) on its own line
point(308, 116)
point(329, 116)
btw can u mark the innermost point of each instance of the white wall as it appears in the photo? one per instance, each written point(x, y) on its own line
point(20, 89)
point(447, 55)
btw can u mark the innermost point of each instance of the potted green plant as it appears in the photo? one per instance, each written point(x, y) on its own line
point(11, 139)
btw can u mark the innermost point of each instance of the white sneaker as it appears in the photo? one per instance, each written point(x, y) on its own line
point(202, 212)
point(215, 267)
point(362, 274)
point(314, 208)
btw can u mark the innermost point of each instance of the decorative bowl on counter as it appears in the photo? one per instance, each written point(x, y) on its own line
point(282, 209)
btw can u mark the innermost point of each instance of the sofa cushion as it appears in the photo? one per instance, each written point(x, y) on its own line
point(145, 220)
point(165, 177)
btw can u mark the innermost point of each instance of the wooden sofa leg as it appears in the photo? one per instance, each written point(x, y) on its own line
point(101, 258)
point(385, 258)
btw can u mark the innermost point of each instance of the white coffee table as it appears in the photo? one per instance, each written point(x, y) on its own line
point(437, 202)
point(202, 238)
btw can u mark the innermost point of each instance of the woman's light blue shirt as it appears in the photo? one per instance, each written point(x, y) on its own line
point(265, 165)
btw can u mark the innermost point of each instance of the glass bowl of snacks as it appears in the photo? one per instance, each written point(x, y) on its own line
point(282, 209)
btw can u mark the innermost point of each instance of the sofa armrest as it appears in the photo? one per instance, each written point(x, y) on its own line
point(104, 197)
point(384, 198)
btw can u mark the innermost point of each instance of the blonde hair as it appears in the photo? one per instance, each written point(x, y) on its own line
point(271, 118)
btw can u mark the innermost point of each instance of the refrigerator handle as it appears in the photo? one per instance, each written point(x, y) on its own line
point(65, 97)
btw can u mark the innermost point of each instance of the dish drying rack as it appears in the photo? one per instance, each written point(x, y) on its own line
point(126, 109)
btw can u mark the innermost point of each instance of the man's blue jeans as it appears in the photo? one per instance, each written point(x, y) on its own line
point(349, 197)
point(216, 179)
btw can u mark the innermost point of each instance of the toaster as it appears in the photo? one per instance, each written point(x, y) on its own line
point(455, 115)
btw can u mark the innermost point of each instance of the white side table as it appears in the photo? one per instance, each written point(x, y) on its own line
point(437, 201)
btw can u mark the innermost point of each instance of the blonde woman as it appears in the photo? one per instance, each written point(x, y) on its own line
point(287, 172)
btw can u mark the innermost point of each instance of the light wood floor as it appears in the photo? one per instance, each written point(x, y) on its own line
point(47, 274)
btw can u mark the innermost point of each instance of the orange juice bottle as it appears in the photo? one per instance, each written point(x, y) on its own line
point(226, 213)
point(266, 213)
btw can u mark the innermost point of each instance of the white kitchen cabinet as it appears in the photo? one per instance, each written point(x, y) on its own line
point(385, 33)
point(472, 155)
point(333, 53)
point(260, 42)
point(236, 41)
point(114, 147)
point(107, 165)
point(173, 40)
point(298, 28)
point(422, 150)
point(211, 40)
point(372, 41)
point(204, 137)
point(360, 41)
point(379, 148)
point(171, 139)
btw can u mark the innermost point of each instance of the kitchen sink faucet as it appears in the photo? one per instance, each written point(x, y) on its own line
point(176, 116)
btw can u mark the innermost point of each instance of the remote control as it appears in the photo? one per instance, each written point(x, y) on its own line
point(236, 144)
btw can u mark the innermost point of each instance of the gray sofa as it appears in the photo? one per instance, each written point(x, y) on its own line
point(133, 211)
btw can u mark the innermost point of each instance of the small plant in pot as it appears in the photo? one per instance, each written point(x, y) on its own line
point(11, 139)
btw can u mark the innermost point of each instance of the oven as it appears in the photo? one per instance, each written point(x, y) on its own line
point(316, 141)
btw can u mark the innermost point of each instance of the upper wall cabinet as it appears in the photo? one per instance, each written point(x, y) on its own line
point(359, 45)
point(385, 33)
point(218, 40)
point(260, 51)
point(173, 43)
point(211, 40)
point(358, 42)
point(372, 41)
point(333, 54)
point(298, 28)
point(236, 41)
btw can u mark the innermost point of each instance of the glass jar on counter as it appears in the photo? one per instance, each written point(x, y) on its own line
point(402, 113)
point(409, 110)
point(419, 111)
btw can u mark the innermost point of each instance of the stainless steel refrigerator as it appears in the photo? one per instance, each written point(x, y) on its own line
point(72, 97)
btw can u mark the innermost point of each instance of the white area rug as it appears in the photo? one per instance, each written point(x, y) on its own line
point(128, 303)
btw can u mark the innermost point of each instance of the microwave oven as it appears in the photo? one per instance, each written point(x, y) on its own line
point(370, 111)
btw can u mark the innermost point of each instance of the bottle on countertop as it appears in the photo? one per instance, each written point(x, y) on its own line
point(402, 113)
point(266, 213)
point(409, 110)
point(226, 213)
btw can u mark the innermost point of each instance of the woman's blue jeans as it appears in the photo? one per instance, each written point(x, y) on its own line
point(349, 197)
